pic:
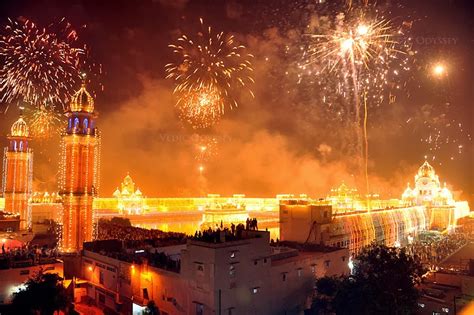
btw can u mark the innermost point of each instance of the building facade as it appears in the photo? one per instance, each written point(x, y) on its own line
point(241, 276)
point(343, 221)
point(80, 158)
point(18, 173)
point(305, 221)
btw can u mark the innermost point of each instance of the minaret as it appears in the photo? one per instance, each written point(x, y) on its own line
point(80, 157)
point(18, 173)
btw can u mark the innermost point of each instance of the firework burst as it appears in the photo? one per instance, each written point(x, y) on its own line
point(206, 64)
point(39, 64)
point(355, 55)
point(44, 121)
point(201, 108)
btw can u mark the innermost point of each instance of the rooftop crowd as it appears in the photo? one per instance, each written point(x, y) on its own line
point(26, 256)
point(225, 234)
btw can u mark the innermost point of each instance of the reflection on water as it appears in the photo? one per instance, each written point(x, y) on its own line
point(190, 227)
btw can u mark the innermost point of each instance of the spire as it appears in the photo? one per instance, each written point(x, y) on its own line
point(19, 128)
point(82, 101)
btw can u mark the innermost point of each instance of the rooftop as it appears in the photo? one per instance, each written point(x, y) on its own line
point(139, 252)
point(307, 247)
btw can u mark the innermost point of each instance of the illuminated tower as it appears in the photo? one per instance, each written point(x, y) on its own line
point(80, 157)
point(18, 173)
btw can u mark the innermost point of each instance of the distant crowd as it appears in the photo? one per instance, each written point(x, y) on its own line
point(432, 252)
point(109, 230)
point(122, 230)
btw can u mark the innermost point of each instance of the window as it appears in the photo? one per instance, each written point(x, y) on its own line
point(85, 123)
point(343, 258)
point(255, 262)
point(145, 294)
point(313, 268)
point(232, 270)
point(21, 145)
point(76, 122)
point(264, 260)
point(101, 265)
point(283, 276)
point(255, 290)
point(232, 254)
point(299, 272)
point(327, 263)
point(101, 298)
point(101, 277)
point(200, 270)
point(199, 309)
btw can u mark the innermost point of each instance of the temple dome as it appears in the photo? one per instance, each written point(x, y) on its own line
point(426, 170)
point(82, 101)
point(19, 128)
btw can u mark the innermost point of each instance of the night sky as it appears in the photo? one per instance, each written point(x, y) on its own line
point(283, 140)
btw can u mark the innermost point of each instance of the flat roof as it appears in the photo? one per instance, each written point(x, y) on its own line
point(308, 247)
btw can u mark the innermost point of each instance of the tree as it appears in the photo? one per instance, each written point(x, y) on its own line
point(43, 294)
point(383, 282)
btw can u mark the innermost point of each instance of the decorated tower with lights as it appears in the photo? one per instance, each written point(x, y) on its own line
point(80, 165)
point(18, 173)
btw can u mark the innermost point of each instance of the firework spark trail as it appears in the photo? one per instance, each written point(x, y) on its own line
point(39, 65)
point(210, 63)
point(205, 148)
point(363, 53)
point(444, 139)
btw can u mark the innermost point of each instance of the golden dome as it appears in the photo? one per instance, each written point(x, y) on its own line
point(82, 101)
point(19, 128)
point(426, 170)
